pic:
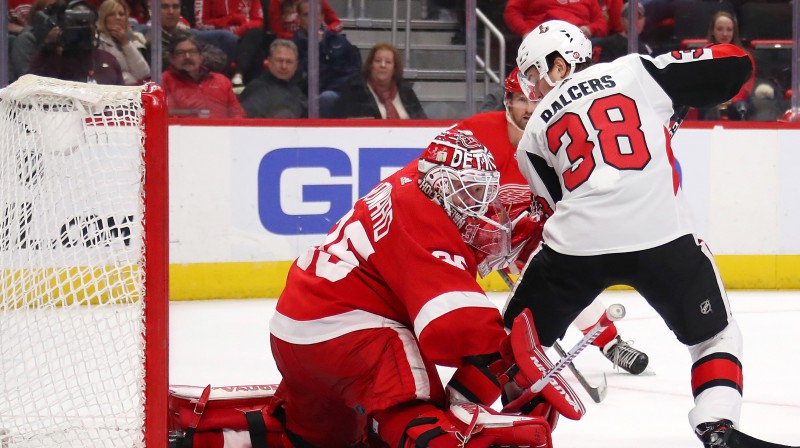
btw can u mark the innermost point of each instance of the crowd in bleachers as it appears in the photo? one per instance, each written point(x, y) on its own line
point(248, 58)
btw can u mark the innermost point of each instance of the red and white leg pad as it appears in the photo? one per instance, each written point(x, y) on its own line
point(534, 364)
point(226, 416)
point(503, 429)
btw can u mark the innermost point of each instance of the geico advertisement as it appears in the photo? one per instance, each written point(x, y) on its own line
point(250, 194)
point(268, 193)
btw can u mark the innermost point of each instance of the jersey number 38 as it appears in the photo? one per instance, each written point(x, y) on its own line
point(619, 138)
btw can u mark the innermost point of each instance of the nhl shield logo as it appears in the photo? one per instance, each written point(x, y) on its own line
point(543, 29)
point(705, 307)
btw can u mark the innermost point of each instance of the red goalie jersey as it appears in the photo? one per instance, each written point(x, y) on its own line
point(393, 234)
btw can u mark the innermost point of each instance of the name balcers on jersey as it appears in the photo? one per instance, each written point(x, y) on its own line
point(604, 164)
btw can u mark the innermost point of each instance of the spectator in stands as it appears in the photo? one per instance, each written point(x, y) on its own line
point(18, 13)
point(276, 93)
point(27, 42)
point(115, 35)
point(723, 29)
point(139, 12)
point(236, 16)
point(284, 19)
point(339, 60)
point(522, 16)
point(282, 23)
point(194, 90)
point(381, 92)
point(72, 54)
point(220, 23)
point(606, 49)
point(214, 58)
point(612, 12)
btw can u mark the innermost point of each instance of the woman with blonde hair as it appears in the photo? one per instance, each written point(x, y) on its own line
point(381, 91)
point(116, 37)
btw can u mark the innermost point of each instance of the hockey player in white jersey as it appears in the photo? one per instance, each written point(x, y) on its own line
point(599, 151)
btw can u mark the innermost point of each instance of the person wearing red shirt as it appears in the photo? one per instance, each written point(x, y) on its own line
point(191, 88)
point(236, 16)
point(522, 16)
point(18, 11)
point(284, 21)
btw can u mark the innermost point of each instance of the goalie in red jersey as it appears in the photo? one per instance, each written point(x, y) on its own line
point(367, 316)
point(515, 195)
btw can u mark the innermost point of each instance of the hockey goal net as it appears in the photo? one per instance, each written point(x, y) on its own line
point(83, 265)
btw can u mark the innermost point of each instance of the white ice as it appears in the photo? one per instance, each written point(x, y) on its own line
point(227, 343)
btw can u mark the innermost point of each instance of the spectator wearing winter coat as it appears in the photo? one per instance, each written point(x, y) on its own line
point(339, 60)
point(276, 93)
point(194, 90)
point(116, 37)
point(522, 16)
point(381, 91)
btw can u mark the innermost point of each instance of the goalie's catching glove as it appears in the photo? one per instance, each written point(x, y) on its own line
point(526, 235)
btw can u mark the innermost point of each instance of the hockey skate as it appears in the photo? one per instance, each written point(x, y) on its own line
point(621, 354)
point(722, 434)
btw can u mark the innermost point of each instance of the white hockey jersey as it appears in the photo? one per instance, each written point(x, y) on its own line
point(597, 148)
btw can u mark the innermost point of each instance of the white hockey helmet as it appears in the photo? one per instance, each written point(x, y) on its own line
point(552, 36)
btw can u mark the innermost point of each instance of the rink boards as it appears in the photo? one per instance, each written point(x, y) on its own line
point(248, 196)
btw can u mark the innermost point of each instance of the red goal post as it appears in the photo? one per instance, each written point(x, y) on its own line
point(84, 265)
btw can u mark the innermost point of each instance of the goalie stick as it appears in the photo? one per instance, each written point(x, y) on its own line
point(598, 393)
point(614, 313)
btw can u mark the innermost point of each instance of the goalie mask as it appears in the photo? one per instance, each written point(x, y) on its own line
point(556, 36)
point(457, 172)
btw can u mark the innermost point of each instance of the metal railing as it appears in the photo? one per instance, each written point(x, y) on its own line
point(489, 29)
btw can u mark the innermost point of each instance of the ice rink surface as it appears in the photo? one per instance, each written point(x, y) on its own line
point(227, 343)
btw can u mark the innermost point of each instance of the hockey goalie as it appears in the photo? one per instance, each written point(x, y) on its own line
point(366, 317)
point(248, 416)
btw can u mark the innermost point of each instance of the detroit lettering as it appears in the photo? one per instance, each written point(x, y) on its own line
point(575, 92)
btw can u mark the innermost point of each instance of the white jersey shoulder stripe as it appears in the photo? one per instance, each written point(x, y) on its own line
point(306, 332)
point(447, 302)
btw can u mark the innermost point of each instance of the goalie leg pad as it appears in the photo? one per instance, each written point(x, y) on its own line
point(230, 416)
point(534, 365)
point(420, 424)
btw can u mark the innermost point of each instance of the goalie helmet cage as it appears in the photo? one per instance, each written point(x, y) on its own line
point(83, 265)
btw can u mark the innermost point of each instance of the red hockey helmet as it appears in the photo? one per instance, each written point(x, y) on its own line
point(512, 82)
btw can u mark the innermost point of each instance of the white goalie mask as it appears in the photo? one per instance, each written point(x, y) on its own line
point(552, 36)
point(457, 172)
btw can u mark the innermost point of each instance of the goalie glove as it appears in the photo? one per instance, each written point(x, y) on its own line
point(526, 235)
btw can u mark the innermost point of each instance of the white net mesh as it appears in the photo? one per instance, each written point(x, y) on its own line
point(71, 265)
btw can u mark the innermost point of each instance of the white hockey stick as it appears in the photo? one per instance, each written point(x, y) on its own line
point(614, 313)
point(598, 393)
